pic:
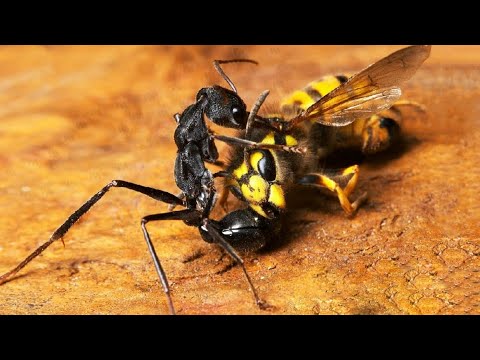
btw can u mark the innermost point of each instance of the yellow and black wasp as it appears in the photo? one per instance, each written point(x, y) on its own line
point(336, 111)
point(272, 154)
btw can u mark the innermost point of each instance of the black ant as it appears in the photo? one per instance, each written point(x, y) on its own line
point(242, 229)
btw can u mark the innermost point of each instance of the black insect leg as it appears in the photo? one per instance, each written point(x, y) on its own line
point(217, 238)
point(180, 195)
point(191, 216)
point(248, 144)
point(72, 219)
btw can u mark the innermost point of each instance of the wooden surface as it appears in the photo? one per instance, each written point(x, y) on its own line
point(73, 118)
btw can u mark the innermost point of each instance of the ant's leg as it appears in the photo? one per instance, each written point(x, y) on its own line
point(217, 238)
point(184, 215)
point(254, 145)
point(333, 181)
point(72, 219)
point(180, 195)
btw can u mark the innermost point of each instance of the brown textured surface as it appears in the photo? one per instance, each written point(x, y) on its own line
point(73, 118)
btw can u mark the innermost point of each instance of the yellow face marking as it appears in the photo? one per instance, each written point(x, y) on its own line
point(254, 159)
point(291, 141)
point(256, 190)
point(258, 209)
point(300, 97)
point(240, 171)
point(269, 139)
point(277, 196)
point(325, 85)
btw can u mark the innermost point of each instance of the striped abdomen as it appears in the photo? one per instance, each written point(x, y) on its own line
point(371, 135)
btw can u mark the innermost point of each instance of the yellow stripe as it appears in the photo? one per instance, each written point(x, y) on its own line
point(269, 139)
point(325, 85)
point(300, 97)
point(291, 141)
point(277, 196)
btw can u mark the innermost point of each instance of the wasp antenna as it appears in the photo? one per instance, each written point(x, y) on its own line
point(216, 64)
point(251, 118)
point(253, 113)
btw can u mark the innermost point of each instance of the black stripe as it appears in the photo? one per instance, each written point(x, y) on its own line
point(279, 139)
point(313, 93)
point(342, 78)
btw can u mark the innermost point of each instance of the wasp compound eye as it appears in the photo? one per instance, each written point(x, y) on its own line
point(266, 166)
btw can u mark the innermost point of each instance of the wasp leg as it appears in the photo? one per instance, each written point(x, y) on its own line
point(382, 130)
point(332, 180)
point(419, 107)
point(354, 172)
point(184, 215)
point(378, 134)
point(72, 219)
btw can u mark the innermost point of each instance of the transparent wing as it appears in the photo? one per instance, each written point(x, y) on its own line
point(370, 91)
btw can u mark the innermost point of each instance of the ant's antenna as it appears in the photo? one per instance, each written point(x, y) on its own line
point(216, 64)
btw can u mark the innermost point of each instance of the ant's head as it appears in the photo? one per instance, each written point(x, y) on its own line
point(224, 107)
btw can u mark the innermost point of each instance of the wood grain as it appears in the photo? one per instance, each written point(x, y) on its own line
point(72, 118)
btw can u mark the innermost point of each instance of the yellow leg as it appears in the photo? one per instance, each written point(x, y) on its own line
point(331, 182)
point(352, 183)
